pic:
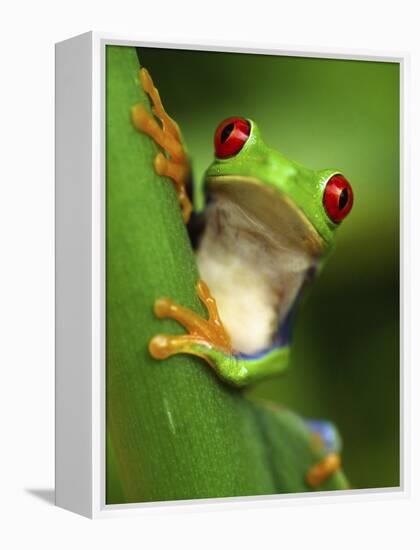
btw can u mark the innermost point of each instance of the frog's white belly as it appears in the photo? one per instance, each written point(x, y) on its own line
point(253, 279)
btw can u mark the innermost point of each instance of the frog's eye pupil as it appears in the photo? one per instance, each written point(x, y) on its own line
point(338, 198)
point(227, 130)
point(231, 135)
point(344, 195)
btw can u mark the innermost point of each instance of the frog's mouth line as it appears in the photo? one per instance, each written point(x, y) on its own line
point(257, 252)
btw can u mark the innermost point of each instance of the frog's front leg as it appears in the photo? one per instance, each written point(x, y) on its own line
point(208, 339)
point(203, 333)
point(175, 164)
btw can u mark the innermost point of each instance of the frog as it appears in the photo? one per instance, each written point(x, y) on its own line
point(262, 227)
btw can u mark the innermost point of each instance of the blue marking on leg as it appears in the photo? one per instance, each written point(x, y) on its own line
point(327, 432)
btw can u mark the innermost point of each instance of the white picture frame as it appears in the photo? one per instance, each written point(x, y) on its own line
point(80, 278)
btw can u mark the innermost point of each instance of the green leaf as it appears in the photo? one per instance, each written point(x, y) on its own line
point(174, 430)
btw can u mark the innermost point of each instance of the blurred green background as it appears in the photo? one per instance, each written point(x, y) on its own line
point(321, 113)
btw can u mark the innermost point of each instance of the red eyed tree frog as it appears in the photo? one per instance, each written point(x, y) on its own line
point(267, 224)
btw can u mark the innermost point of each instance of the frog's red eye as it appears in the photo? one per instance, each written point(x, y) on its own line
point(231, 135)
point(338, 198)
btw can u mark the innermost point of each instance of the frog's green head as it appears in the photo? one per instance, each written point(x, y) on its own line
point(304, 206)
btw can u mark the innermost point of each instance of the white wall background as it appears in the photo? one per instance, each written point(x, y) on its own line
point(28, 33)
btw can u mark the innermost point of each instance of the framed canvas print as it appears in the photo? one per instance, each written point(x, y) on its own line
point(228, 274)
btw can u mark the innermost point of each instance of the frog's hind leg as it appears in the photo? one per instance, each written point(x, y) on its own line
point(325, 438)
point(174, 163)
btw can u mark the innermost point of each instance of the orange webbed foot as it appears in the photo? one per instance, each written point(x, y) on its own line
point(323, 470)
point(174, 163)
point(203, 334)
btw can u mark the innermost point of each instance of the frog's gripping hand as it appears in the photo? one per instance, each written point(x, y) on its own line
point(206, 338)
point(174, 163)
